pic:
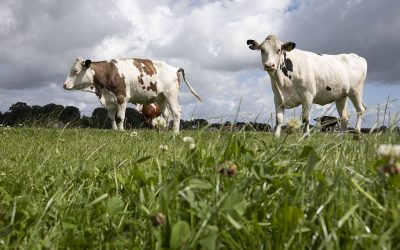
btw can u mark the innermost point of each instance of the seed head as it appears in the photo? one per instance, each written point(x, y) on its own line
point(227, 168)
point(158, 219)
point(293, 125)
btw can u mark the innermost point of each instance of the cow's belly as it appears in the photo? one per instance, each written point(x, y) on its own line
point(143, 94)
point(291, 99)
point(326, 96)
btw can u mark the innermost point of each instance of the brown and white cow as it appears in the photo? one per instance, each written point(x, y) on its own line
point(302, 78)
point(119, 81)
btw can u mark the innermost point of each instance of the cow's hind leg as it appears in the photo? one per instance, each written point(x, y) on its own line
point(356, 99)
point(164, 110)
point(111, 116)
point(341, 106)
point(120, 118)
point(305, 113)
point(175, 111)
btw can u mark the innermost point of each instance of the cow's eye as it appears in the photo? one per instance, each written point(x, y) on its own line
point(279, 51)
point(76, 72)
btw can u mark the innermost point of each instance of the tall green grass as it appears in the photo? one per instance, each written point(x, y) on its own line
point(76, 188)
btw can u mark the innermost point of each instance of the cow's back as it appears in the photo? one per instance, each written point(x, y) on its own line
point(146, 79)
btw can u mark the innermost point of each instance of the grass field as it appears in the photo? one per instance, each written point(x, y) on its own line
point(76, 188)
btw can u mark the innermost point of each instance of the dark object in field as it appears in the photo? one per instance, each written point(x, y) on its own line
point(227, 168)
point(328, 123)
point(158, 219)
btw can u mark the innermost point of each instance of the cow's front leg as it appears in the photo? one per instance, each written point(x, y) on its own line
point(121, 108)
point(279, 119)
point(305, 114)
point(279, 111)
point(111, 115)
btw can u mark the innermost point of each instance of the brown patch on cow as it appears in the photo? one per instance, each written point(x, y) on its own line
point(153, 87)
point(140, 79)
point(106, 76)
point(145, 65)
point(143, 87)
point(120, 99)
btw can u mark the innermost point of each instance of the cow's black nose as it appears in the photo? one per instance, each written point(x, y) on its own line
point(65, 85)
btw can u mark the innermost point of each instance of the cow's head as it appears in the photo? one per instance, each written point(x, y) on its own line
point(80, 76)
point(271, 50)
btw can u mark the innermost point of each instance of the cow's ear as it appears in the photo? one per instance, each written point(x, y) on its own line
point(88, 63)
point(253, 45)
point(289, 46)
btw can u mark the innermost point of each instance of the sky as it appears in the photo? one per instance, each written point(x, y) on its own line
point(40, 40)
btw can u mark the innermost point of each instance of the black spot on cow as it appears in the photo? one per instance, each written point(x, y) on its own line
point(287, 66)
point(328, 88)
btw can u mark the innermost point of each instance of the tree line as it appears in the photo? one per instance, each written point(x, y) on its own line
point(54, 115)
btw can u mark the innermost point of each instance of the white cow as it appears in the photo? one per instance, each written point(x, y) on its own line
point(301, 78)
point(119, 81)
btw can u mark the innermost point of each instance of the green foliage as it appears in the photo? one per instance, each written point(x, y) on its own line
point(77, 188)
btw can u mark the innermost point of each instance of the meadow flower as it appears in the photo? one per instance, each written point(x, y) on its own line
point(163, 147)
point(293, 125)
point(188, 139)
point(389, 151)
point(158, 219)
point(159, 123)
point(391, 156)
point(190, 143)
point(228, 169)
point(134, 134)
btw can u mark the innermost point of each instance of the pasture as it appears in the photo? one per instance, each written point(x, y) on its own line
point(77, 188)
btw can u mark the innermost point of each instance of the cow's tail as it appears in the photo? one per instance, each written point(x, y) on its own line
point(180, 70)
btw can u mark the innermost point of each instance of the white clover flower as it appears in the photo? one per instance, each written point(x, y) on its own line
point(389, 151)
point(163, 147)
point(159, 123)
point(188, 140)
point(293, 124)
point(190, 143)
point(134, 134)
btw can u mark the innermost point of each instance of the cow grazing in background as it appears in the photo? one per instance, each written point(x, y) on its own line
point(302, 78)
point(119, 81)
point(327, 123)
point(150, 111)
